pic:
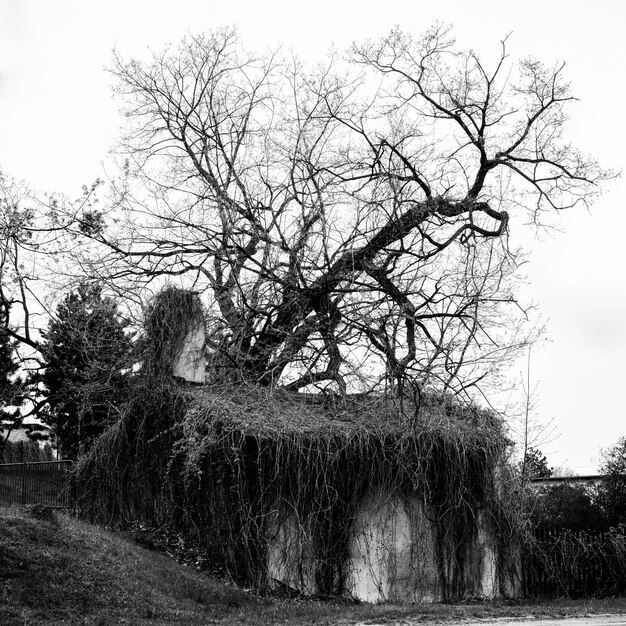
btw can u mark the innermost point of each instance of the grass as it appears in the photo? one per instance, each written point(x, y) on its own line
point(56, 569)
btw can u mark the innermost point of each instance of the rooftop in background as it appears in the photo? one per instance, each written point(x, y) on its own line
point(591, 478)
point(23, 432)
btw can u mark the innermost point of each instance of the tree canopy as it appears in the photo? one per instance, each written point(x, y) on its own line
point(86, 358)
point(612, 489)
point(564, 505)
point(8, 366)
point(332, 224)
point(346, 225)
point(535, 464)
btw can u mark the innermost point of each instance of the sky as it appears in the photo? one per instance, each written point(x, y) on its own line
point(58, 120)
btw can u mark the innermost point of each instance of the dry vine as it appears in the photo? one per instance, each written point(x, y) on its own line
point(234, 466)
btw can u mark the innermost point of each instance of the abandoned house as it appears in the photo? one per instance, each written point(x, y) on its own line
point(355, 496)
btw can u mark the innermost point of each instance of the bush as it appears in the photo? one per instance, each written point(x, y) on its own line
point(567, 505)
point(22, 451)
point(612, 490)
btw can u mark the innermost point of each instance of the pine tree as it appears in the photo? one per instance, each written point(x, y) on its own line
point(86, 354)
point(536, 464)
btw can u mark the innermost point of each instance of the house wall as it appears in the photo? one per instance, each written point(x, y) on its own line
point(391, 555)
point(291, 559)
point(17, 434)
point(481, 577)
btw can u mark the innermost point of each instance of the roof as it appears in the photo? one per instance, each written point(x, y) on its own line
point(30, 425)
point(266, 412)
point(590, 478)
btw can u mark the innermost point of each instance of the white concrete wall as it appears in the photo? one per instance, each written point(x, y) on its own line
point(481, 560)
point(391, 554)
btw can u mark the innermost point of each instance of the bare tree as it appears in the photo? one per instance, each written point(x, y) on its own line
point(37, 239)
point(338, 221)
point(17, 241)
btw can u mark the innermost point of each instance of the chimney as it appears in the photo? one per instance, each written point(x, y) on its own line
point(190, 360)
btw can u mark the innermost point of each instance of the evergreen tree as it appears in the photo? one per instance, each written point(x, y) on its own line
point(564, 505)
point(8, 367)
point(612, 489)
point(85, 353)
point(536, 464)
point(25, 451)
point(9, 387)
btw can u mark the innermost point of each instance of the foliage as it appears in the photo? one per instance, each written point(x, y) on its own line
point(22, 451)
point(567, 505)
point(35, 255)
point(58, 569)
point(570, 563)
point(612, 489)
point(168, 319)
point(341, 238)
point(86, 359)
point(143, 438)
point(8, 367)
point(235, 462)
point(11, 390)
point(38, 432)
point(15, 236)
point(573, 551)
point(535, 464)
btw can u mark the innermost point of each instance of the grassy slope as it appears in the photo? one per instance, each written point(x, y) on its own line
point(56, 569)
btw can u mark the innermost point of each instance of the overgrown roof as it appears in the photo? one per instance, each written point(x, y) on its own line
point(274, 412)
point(230, 461)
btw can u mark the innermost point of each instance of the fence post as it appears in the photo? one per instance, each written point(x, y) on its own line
point(23, 497)
point(42, 482)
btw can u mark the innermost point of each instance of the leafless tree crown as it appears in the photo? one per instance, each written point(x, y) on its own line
point(338, 220)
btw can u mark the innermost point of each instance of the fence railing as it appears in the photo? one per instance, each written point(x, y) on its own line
point(41, 482)
point(575, 563)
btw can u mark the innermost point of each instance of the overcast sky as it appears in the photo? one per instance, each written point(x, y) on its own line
point(58, 119)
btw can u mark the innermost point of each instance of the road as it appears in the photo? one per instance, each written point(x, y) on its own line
point(591, 620)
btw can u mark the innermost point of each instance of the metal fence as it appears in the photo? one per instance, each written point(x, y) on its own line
point(576, 563)
point(42, 482)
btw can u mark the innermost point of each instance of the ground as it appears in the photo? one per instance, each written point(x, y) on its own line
point(57, 569)
point(590, 620)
